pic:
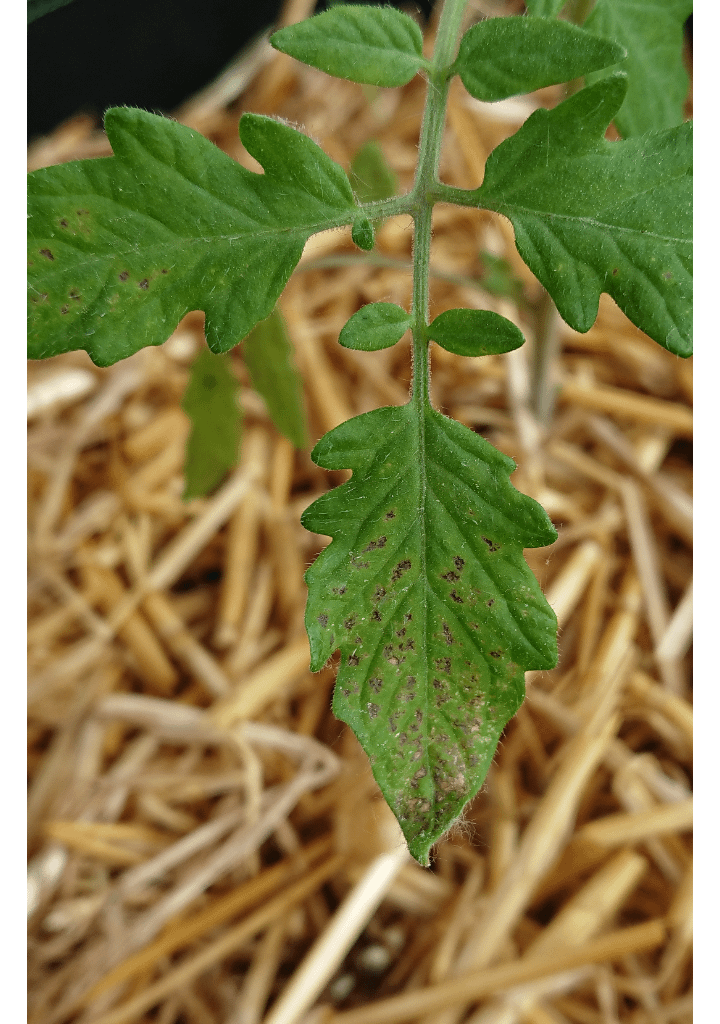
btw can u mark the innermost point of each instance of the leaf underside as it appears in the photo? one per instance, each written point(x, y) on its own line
point(594, 216)
point(426, 594)
point(121, 248)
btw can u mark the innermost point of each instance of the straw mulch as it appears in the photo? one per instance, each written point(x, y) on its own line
point(207, 843)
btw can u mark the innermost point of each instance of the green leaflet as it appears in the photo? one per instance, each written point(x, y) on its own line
point(267, 353)
point(652, 32)
point(375, 326)
point(371, 45)
point(210, 401)
point(426, 593)
point(474, 332)
point(592, 216)
point(121, 248)
point(363, 234)
point(503, 57)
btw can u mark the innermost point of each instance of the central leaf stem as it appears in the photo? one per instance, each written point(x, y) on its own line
point(426, 181)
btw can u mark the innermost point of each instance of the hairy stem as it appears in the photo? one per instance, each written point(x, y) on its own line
point(424, 188)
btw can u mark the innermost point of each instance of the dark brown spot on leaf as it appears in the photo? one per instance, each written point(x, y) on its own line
point(63, 223)
point(373, 710)
point(65, 309)
point(451, 577)
point(400, 568)
point(123, 275)
point(375, 544)
point(144, 284)
point(449, 638)
point(491, 546)
point(459, 563)
point(375, 684)
point(456, 598)
point(376, 616)
point(323, 620)
point(47, 254)
point(496, 654)
point(390, 514)
point(353, 659)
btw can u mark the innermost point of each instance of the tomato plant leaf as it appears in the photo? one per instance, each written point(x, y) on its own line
point(475, 332)
point(211, 403)
point(372, 45)
point(121, 248)
point(652, 32)
point(425, 592)
point(502, 57)
point(375, 326)
point(594, 216)
point(267, 352)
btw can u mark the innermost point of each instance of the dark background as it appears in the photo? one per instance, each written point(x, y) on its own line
point(155, 54)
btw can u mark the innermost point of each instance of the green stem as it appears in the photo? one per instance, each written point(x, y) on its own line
point(425, 187)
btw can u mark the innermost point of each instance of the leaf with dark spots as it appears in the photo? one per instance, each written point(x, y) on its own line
point(444, 696)
point(182, 223)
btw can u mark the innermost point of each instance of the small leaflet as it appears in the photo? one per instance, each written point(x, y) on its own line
point(370, 176)
point(475, 332)
point(371, 45)
point(377, 325)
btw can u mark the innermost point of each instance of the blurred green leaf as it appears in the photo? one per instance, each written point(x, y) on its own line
point(210, 401)
point(652, 33)
point(268, 356)
point(498, 278)
point(370, 176)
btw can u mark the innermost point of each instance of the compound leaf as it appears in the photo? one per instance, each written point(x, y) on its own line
point(475, 332)
point(425, 592)
point(371, 45)
point(652, 32)
point(123, 247)
point(594, 216)
point(267, 354)
point(210, 401)
point(375, 326)
point(503, 57)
